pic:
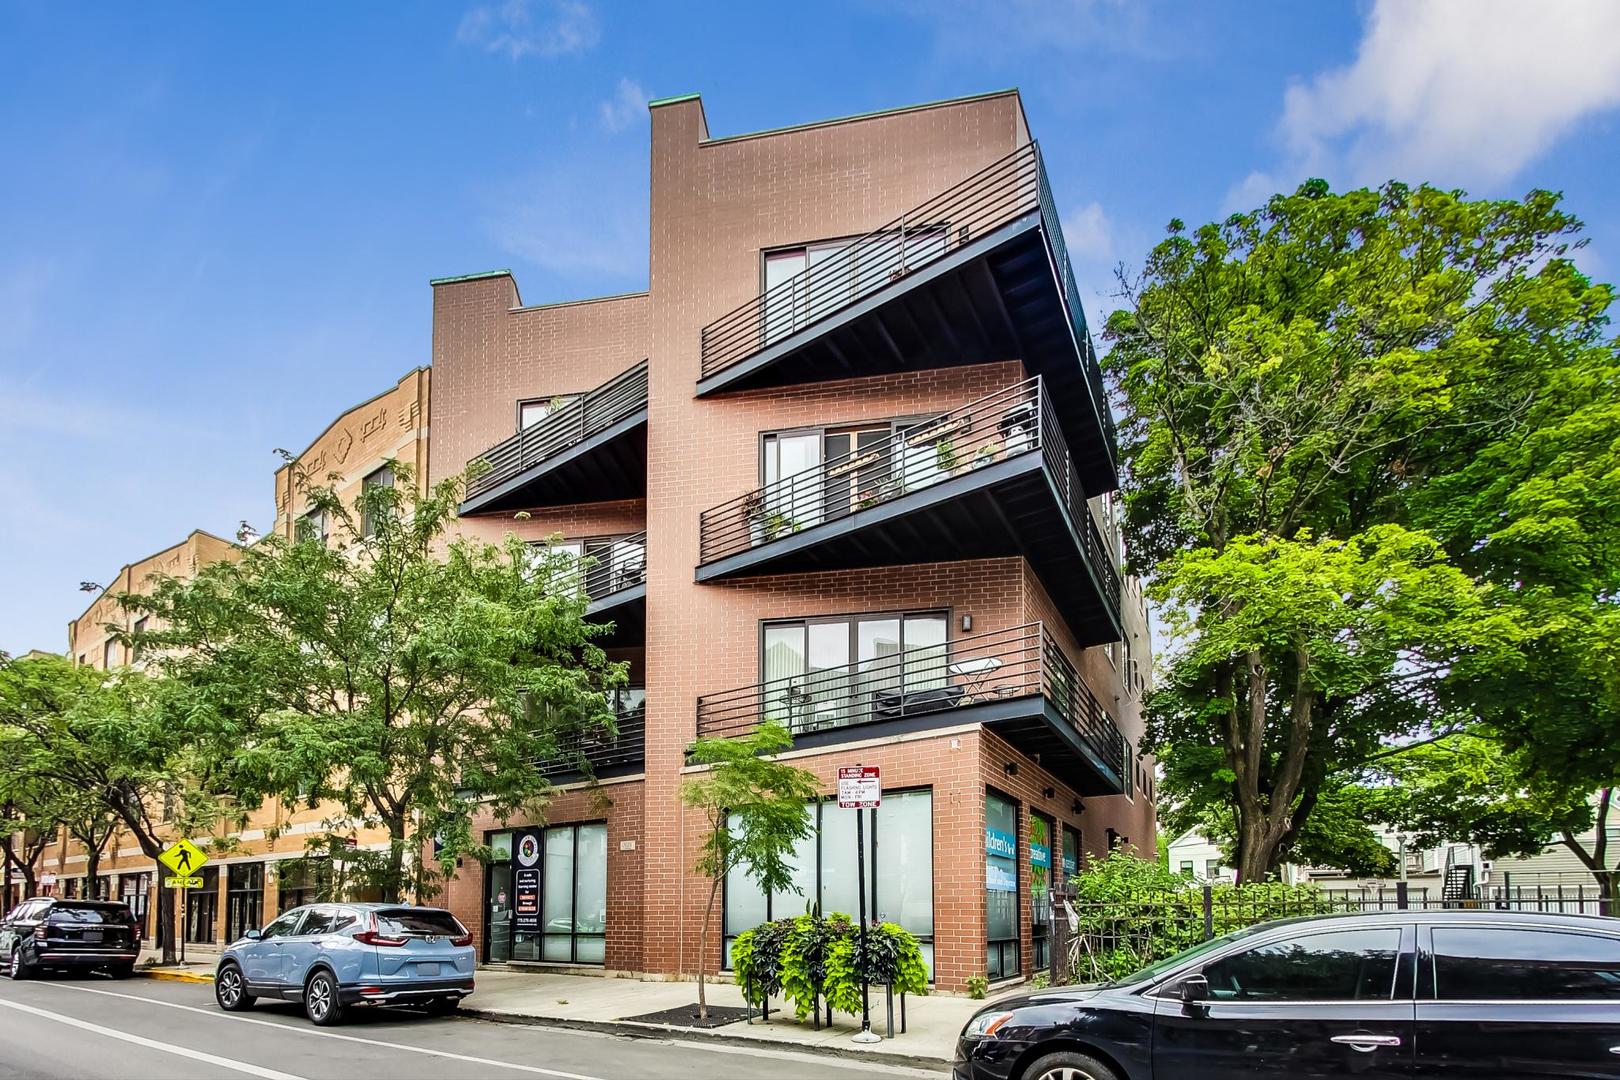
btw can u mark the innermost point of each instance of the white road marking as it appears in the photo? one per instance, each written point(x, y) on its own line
point(152, 1044)
point(298, 1029)
point(826, 1061)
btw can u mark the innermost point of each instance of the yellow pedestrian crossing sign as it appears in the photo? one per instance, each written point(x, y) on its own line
point(183, 857)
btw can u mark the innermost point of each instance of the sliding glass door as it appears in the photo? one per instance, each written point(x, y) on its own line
point(822, 673)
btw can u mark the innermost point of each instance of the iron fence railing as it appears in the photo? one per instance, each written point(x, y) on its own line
point(569, 425)
point(1016, 420)
point(998, 665)
point(612, 566)
point(994, 196)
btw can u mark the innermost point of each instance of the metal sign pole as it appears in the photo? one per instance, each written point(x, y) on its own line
point(863, 793)
point(860, 881)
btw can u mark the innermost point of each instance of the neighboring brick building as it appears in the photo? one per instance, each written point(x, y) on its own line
point(244, 887)
point(847, 464)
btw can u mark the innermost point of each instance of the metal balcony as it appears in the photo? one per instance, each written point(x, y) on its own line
point(593, 449)
point(600, 753)
point(978, 273)
point(616, 586)
point(1016, 682)
point(992, 478)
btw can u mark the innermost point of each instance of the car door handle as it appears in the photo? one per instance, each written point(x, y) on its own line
point(1614, 1049)
point(1367, 1043)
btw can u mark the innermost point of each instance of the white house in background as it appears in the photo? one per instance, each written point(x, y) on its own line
point(1193, 855)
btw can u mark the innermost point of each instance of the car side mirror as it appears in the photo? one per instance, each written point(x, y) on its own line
point(254, 935)
point(1194, 990)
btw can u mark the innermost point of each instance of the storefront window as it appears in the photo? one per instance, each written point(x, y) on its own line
point(1040, 887)
point(900, 871)
point(202, 908)
point(1001, 886)
point(244, 899)
point(302, 881)
point(1071, 854)
point(573, 898)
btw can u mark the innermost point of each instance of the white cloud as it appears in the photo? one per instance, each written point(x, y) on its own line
point(581, 215)
point(1088, 233)
point(627, 106)
point(1455, 91)
point(519, 28)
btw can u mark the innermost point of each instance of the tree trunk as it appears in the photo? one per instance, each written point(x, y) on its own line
point(92, 867)
point(703, 947)
point(165, 917)
point(396, 859)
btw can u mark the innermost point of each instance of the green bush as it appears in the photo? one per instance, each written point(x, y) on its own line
point(811, 956)
point(1133, 912)
point(977, 986)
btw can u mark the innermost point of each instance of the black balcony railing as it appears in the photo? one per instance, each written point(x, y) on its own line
point(999, 193)
point(1006, 424)
point(998, 666)
point(571, 424)
point(600, 751)
point(612, 566)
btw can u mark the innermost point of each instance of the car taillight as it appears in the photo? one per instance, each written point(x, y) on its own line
point(464, 939)
point(374, 936)
point(40, 932)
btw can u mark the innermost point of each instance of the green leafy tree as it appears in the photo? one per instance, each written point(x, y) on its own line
point(1470, 788)
point(753, 812)
point(104, 740)
point(404, 673)
point(1290, 380)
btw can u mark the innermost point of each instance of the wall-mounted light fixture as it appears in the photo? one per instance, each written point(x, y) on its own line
point(1077, 807)
point(967, 623)
point(1047, 793)
point(1011, 768)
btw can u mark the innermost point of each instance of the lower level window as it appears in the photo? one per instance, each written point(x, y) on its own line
point(1001, 887)
point(573, 898)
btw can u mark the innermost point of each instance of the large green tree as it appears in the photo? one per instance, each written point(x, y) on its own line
point(1290, 381)
point(408, 674)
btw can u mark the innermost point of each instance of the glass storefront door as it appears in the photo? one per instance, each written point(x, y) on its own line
point(244, 899)
point(202, 908)
point(1001, 880)
point(573, 898)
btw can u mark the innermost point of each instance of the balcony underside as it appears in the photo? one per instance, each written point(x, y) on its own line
point(627, 610)
point(994, 299)
point(1030, 723)
point(609, 465)
point(1009, 508)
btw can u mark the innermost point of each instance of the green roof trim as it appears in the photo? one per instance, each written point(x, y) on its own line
point(868, 115)
point(655, 102)
point(469, 277)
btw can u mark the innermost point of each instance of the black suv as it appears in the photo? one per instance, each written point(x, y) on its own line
point(1392, 994)
point(48, 932)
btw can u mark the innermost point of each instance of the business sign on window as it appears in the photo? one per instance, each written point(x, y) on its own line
point(1001, 844)
point(999, 878)
point(526, 881)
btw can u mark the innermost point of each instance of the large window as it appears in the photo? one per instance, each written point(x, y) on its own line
point(1040, 888)
point(824, 673)
point(1485, 963)
point(534, 410)
point(573, 898)
point(899, 864)
point(244, 898)
point(1348, 965)
point(109, 655)
point(302, 881)
point(1001, 881)
point(1071, 853)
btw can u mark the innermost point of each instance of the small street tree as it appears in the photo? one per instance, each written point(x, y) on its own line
point(407, 674)
point(753, 813)
point(107, 741)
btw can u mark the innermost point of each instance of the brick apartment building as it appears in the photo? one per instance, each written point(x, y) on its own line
point(847, 463)
point(249, 877)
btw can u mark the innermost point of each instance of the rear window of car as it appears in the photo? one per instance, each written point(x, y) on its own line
point(86, 913)
point(419, 921)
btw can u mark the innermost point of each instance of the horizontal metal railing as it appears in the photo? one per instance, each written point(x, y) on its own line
point(1020, 661)
point(599, 750)
point(571, 424)
point(617, 566)
point(1060, 467)
point(994, 196)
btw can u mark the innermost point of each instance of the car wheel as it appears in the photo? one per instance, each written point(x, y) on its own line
point(230, 991)
point(1068, 1065)
point(444, 1005)
point(321, 1003)
point(16, 966)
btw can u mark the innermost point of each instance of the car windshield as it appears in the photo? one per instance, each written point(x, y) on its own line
point(1169, 963)
point(417, 921)
point(75, 913)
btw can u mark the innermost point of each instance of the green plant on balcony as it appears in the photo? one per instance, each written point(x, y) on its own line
point(986, 454)
point(945, 459)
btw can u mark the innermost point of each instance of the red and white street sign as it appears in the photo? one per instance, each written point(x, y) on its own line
point(860, 787)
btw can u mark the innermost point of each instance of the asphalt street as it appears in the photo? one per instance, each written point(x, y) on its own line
point(89, 1026)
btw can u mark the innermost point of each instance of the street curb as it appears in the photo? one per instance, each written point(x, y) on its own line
point(637, 1029)
point(174, 976)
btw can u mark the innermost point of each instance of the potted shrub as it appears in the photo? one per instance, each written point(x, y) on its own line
point(986, 454)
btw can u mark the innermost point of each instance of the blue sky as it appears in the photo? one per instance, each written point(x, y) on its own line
point(217, 222)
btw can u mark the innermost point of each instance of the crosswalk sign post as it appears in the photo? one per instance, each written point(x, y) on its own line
point(185, 859)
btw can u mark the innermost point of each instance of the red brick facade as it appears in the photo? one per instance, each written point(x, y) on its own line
point(716, 204)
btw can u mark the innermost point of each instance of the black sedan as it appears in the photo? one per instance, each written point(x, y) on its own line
point(1392, 994)
point(47, 932)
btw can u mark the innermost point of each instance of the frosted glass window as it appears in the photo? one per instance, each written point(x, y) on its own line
point(905, 851)
point(557, 896)
point(838, 888)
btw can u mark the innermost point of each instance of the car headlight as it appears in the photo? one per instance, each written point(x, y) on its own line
point(986, 1024)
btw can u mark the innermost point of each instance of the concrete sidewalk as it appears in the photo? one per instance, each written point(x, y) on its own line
point(602, 1004)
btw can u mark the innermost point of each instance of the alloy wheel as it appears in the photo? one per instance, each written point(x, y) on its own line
point(319, 998)
point(230, 987)
point(1065, 1072)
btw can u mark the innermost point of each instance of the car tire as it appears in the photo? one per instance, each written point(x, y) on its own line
point(321, 1002)
point(230, 990)
point(1068, 1065)
point(444, 1006)
point(16, 966)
